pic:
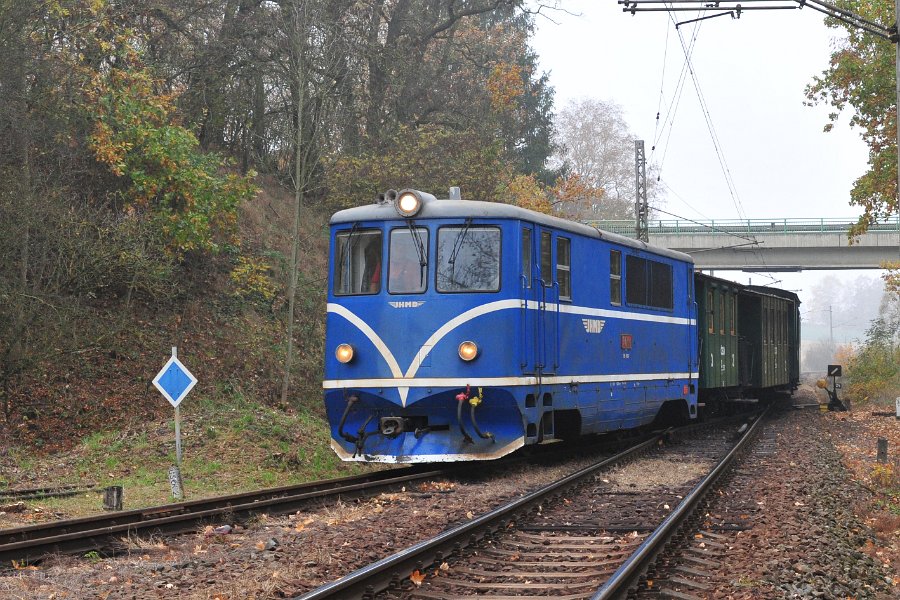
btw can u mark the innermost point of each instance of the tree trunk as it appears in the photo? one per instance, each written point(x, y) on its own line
point(299, 184)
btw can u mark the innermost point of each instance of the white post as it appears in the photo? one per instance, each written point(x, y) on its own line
point(178, 419)
point(175, 474)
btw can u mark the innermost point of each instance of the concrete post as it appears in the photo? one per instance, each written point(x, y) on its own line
point(113, 497)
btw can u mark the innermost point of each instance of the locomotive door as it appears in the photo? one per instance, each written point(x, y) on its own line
point(548, 308)
point(530, 300)
point(540, 294)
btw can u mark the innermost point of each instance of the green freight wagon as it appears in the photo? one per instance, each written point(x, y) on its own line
point(772, 322)
point(749, 340)
point(717, 326)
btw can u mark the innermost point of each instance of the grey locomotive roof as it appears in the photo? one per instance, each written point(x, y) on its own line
point(439, 209)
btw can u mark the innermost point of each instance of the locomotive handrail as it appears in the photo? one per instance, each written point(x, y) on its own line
point(557, 360)
point(523, 351)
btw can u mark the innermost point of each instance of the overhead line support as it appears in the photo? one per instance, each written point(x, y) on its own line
point(890, 33)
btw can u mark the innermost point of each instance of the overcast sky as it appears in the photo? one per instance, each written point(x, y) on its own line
point(752, 73)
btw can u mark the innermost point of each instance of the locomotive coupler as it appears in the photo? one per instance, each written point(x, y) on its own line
point(392, 426)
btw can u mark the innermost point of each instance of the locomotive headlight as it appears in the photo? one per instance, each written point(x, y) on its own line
point(468, 351)
point(408, 204)
point(344, 353)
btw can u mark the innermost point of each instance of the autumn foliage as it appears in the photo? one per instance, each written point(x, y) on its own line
point(874, 367)
point(861, 77)
point(190, 197)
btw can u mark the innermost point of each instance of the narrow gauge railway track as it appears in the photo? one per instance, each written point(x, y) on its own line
point(101, 532)
point(575, 538)
point(37, 493)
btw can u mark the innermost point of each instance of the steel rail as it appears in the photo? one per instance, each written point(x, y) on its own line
point(32, 542)
point(72, 489)
point(627, 574)
point(391, 570)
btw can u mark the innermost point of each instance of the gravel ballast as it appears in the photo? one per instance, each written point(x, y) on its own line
point(809, 534)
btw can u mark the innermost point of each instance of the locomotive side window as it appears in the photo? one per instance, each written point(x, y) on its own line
point(526, 257)
point(563, 267)
point(722, 313)
point(357, 264)
point(468, 259)
point(615, 277)
point(546, 259)
point(661, 285)
point(408, 267)
point(648, 283)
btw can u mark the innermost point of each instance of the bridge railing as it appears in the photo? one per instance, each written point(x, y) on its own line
point(743, 226)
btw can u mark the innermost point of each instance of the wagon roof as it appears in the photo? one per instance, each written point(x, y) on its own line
point(439, 209)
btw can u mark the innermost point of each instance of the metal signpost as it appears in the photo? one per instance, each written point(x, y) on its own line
point(174, 381)
point(835, 371)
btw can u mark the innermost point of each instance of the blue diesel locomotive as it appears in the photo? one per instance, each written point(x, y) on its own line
point(460, 330)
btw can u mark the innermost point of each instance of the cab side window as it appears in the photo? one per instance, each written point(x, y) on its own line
point(615, 277)
point(526, 258)
point(546, 259)
point(357, 265)
point(564, 267)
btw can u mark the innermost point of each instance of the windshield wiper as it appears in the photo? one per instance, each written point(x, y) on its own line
point(346, 249)
point(420, 250)
point(457, 246)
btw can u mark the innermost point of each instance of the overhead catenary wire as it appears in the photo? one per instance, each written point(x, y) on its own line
point(723, 164)
point(717, 145)
point(710, 227)
point(750, 241)
point(673, 105)
point(662, 83)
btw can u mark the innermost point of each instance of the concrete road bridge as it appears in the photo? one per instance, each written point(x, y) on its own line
point(772, 244)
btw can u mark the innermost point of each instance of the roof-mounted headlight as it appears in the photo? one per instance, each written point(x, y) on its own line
point(409, 202)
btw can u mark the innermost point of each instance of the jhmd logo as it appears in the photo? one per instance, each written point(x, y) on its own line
point(593, 325)
point(409, 304)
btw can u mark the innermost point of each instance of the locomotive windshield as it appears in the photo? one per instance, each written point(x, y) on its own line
point(357, 264)
point(408, 271)
point(468, 259)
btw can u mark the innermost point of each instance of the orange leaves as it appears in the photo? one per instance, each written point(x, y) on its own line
point(301, 525)
point(576, 189)
point(891, 276)
point(505, 86)
point(417, 577)
point(527, 192)
point(136, 136)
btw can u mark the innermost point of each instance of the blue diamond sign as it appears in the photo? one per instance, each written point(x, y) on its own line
point(174, 381)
